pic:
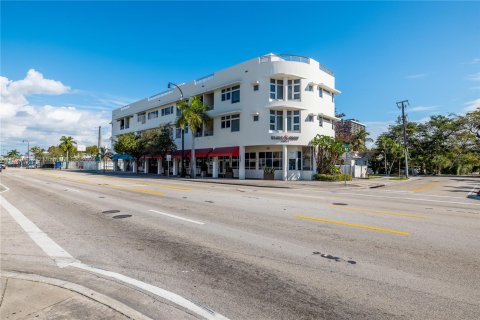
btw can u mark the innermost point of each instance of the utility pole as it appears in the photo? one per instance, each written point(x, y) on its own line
point(99, 137)
point(28, 153)
point(402, 105)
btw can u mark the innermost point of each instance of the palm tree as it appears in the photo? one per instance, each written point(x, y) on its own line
point(193, 114)
point(13, 154)
point(359, 139)
point(67, 144)
point(104, 155)
point(329, 151)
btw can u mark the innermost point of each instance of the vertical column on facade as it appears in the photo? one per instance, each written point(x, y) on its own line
point(115, 165)
point(175, 160)
point(159, 163)
point(215, 167)
point(241, 159)
point(314, 160)
point(135, 166)
point(145, 166)
point(285, 162)
point(124, 165)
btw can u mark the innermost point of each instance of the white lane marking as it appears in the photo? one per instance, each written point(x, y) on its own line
point(404, 198)
point(175, 298)
point(64, 259)
point(472, 192)
point(177, 217)
point(74, 190)
point(6, 188)
point(53, 250)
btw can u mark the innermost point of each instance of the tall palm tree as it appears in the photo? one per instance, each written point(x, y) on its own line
point(104, 155)
point(329, 151)
point(359, 139)
point(194, 115)
point(67, 144)
point(13, 154)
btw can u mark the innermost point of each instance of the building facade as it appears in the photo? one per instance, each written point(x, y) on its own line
point(345, 129)
point(265, 112)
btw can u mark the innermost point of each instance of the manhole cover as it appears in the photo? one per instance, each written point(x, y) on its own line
point(111, 211)
point(339, 204)
point(122, 216)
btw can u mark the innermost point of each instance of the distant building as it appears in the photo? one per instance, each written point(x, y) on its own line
point(345, 129)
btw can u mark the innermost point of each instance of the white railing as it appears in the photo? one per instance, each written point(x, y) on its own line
point(284, 57)
point(325, 69)
point(160, 94)
point(204, 79)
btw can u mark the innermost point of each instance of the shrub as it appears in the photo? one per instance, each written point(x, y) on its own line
point(331, 177)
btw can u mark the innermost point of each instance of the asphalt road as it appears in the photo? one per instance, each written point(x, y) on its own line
point(410, 250)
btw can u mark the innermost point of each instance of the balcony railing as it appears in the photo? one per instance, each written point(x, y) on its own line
point(204, 79)
point(284, 57)
point(325, 69)
point(161, 94)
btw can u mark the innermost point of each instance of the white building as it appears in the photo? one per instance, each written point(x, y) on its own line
point(265, 112)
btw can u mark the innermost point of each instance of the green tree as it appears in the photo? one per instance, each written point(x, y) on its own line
point(135, 145)
point(193, 115)
point(38, 152)
point(67, 144)
point(359, 140)
point(54, 152)
point(104, 155)
point(328, 154)
point(91, 151)
point(13, 154)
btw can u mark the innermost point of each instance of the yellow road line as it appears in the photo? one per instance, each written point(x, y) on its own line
point(379, 212)
point(353, 225)
point(140, 190)
point(425, 187)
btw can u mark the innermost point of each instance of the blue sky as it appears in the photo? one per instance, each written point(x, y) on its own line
point(112, 53)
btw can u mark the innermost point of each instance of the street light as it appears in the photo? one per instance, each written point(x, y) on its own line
point(28, 152)
point(183, 173)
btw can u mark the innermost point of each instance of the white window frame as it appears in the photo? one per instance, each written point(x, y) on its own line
point(293, 89)
point(277, 123)
point(226, 122)
point(275, 85)
point(291, 117)
point(152, 114)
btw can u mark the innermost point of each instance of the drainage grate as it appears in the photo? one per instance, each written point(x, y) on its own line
point(122, 216)
point(111, 211)
point(339, 204)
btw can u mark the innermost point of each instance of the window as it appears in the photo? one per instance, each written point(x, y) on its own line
point(127, 122)
point(122, 124)
point(178, 132)
point(309, 118)
point(255, 117)
point(333, 96)
point(166, 111)
point(276, 89)
point(141, 117)
point(232, 93)
point(153, 114)
point(309, 87)
point(276, 120)
point(232, 122)
point(255, 87)
point(320, 92)
point(250, 160)
point(270, 160)
point(179, 112)
point(293, 120)
point(307, 158)
point(320, 121)
point(294, 89)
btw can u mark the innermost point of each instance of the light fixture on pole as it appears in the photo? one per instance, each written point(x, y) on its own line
point(182, 172)
point(402, 105)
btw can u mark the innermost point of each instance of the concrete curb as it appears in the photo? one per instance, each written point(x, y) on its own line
point(88, 293)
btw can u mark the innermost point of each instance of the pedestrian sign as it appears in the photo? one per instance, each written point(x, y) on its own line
point(346, 147)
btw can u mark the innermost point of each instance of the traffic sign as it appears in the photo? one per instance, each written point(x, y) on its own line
point(346, 147)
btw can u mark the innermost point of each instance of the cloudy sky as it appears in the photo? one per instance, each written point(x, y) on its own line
point(66, 65)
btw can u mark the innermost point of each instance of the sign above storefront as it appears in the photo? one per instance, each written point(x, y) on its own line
point(285, 138)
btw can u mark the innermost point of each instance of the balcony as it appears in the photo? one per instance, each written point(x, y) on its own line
point(284, 57)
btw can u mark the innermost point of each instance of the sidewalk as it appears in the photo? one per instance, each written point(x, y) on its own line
point(27, 296)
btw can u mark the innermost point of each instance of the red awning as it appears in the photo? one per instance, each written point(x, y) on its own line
point(199, 153)
point(225, 152)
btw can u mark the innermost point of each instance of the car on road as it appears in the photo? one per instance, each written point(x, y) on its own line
point(2, 165)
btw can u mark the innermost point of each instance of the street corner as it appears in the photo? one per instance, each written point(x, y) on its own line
point(26, 296)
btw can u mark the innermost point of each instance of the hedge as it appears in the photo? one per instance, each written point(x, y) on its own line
point(331, 177)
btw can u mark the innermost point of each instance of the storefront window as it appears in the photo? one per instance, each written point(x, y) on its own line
point(307, 158)
point(250, 160)
point(270, 160)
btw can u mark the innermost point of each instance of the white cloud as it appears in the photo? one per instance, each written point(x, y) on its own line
point(44, 125)
point(474, 77)
point(472, 105)
point(475, 61)
point(417, 76)
point(376, 128)
point(422, 108)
